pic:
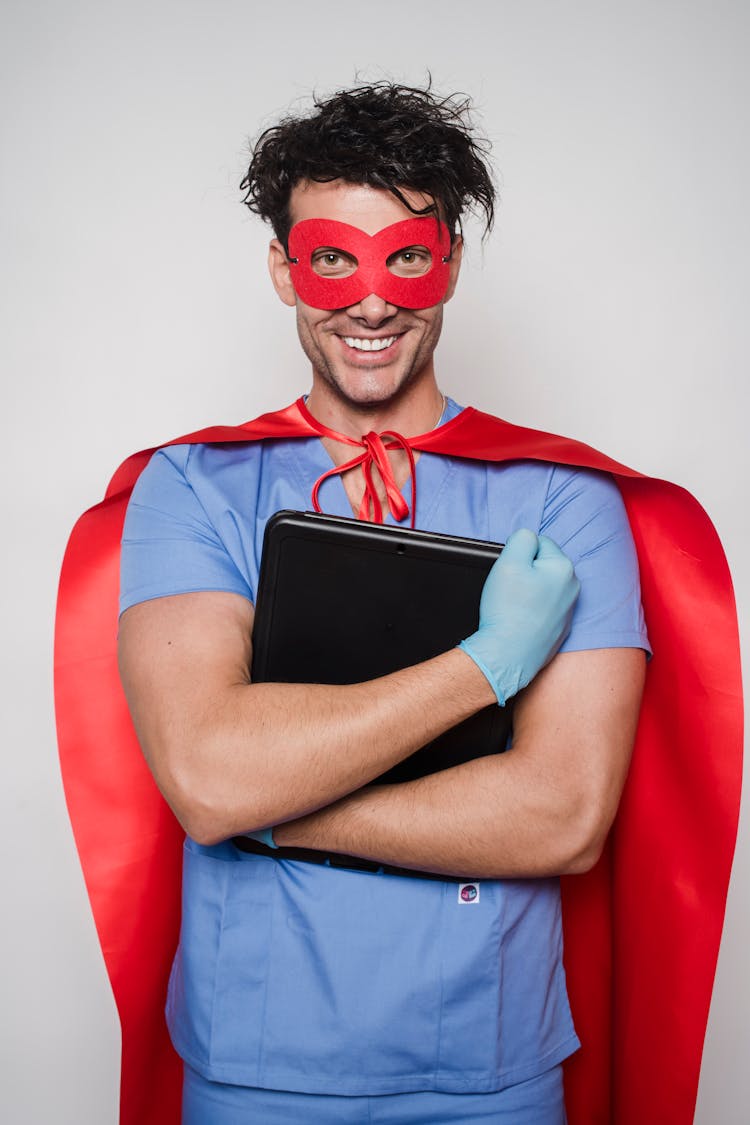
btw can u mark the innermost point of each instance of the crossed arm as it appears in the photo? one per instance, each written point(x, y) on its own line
point(231, 756)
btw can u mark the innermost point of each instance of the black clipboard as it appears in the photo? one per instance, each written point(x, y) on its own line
point(342, 601)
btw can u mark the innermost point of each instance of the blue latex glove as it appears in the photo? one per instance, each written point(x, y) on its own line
point(524, 612)
point(263, 836)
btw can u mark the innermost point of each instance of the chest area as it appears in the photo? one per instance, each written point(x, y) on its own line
point(453, 496)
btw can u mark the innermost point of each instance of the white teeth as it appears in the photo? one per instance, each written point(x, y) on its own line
point(363, 345)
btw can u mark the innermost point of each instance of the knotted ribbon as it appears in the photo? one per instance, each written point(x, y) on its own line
point(375, 455)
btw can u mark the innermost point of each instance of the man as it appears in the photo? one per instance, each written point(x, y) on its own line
point(298, 1016)
point(309, 992)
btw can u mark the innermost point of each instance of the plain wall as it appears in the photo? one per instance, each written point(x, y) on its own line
point(609, 305)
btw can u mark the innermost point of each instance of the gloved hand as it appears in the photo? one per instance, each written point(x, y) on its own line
point(263, 836)
point(524, 612)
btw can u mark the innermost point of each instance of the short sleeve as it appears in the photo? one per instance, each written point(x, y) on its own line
point(585, 515)
point(169, 545)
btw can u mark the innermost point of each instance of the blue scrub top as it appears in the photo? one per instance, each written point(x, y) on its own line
point(300, 977)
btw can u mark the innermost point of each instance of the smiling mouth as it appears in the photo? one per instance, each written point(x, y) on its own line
point(368, 344)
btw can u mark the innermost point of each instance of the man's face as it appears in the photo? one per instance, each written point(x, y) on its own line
point(365, 352)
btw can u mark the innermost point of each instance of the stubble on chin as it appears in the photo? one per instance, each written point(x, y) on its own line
point(360, 387)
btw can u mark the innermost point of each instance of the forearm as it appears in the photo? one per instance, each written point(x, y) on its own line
point(479, 820)
point(297, 747)
point(542, 808)
point(271, 752)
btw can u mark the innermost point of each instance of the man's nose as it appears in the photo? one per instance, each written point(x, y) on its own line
point(372, 309)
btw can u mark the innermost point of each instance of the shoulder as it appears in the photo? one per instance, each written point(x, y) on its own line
point(198, 465)
point(569, 485)
point(558, 486)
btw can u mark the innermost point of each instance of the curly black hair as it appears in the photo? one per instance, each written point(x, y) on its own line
point(386, 135)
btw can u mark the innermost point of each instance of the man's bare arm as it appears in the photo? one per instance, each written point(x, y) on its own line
point(231, 756)
point(542, 808)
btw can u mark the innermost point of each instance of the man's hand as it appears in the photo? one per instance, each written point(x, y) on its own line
point(524, 614)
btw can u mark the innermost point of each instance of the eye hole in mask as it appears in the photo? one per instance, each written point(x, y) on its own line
point(335, 265)
point(410, 261)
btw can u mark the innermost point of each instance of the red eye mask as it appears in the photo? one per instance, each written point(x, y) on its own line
point(371, 252)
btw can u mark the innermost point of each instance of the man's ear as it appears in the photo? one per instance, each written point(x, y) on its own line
point(454, 266)
point(279, 269)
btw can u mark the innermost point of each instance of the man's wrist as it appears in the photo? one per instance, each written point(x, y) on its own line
point(482, 679)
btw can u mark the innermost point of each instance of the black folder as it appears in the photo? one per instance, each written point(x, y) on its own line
point(341, 601)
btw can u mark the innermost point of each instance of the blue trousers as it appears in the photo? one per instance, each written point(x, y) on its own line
point(536, 1102)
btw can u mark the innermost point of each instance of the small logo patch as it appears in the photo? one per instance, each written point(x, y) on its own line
point(468, 892)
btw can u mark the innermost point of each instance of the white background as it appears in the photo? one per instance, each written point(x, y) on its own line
point(609, 305)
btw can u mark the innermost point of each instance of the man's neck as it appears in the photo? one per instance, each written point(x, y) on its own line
point(414, 411)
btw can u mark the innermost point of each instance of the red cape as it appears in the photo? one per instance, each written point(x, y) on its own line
point(642, 929)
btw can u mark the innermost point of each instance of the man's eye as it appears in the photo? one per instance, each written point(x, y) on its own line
point(329, 262)
point(412, 261)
